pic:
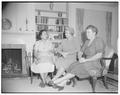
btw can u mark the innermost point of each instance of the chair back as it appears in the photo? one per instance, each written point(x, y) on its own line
point(108, 56)
point(30, 58)
point(107, 59)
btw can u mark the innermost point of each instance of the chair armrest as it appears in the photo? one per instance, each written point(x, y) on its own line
point(105, 58)
point(105, 64)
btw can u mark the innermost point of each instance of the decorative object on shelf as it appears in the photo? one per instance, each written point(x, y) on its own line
point(26, 24)
point(6, 24)
point(59, 14)
point(51, 5)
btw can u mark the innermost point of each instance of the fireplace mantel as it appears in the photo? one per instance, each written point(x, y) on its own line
point(9, 46)
point(19, 37)
point(18, 33)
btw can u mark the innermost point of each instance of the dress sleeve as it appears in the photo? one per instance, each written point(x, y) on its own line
point(84, 46)
point(99, 46)
point(60, 47)
point(35, 46)
point(77, 45)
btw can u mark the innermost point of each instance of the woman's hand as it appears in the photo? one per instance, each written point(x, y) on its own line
point(65, 54)
point(82, 60)
point(80, 54)
point(36, 61)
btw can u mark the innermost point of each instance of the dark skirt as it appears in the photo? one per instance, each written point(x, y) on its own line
point(86, 69)
point(78, 69)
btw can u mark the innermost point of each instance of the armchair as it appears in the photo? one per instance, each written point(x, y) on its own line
point(102, 74)
point(105, 62)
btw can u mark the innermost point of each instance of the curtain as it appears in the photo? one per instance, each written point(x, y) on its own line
point(79, 24)
point(108, 27)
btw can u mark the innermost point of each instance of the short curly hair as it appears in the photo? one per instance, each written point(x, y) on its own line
point(71, 30)
point(40, 33)
point(93, 28)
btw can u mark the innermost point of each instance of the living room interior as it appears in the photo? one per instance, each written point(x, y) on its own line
point(21, 22)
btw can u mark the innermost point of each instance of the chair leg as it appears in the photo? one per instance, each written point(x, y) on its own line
point(104, 82)
point(94, 80)
point(31, 77)
point(52, 75)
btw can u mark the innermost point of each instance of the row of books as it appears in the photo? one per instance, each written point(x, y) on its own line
point(51, 28)
point(53, 21)
point(39, 19)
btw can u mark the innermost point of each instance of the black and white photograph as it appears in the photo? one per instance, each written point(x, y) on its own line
point(59, 47)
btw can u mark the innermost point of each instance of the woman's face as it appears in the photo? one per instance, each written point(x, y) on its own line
point(67, 33)
point(44, 35)
point(90, 34)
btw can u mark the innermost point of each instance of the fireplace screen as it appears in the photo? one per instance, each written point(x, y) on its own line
point(11, 61)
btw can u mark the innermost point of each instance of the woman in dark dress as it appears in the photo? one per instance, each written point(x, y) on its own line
point(93, 50)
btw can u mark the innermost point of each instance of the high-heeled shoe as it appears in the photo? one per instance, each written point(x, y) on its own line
point(59, 87)
point(42, 84)
point(50, 83)
point(68, 82)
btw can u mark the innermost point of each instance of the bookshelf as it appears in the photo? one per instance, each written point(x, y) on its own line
point(55, 22)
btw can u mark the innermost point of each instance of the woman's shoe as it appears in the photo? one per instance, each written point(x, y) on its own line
point(42, 84)
point(50, 83)
point(54, 86)
point(59, 87)
point(68, 82)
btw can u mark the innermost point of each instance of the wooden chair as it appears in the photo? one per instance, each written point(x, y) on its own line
point(30, 60)
point(95, 75)
point(30, 57)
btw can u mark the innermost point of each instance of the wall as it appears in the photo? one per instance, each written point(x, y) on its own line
point(18, 13)
point(98, 19)
point(98, 8)
point(56, 6)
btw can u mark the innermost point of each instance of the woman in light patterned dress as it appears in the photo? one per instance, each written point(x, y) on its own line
point(43, 62)
point(68, 49)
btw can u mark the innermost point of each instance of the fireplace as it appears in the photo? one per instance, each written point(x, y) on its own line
point(13, 60)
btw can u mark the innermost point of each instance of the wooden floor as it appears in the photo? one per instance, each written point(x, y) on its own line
point(22, 85)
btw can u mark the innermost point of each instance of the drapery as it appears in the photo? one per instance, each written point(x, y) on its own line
point(108, 27)
point(79, 24)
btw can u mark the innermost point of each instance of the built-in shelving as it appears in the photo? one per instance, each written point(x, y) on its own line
point(53, 21)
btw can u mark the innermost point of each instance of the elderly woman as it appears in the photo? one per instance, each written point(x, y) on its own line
point(91, 52)
point(68, 48)
point(44, 57)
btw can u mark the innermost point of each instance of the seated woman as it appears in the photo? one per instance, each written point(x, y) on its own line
point(43, 62)
point(68, 48)
point(92, 51)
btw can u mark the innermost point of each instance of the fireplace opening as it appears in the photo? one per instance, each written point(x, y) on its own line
point(11, 61)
